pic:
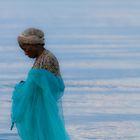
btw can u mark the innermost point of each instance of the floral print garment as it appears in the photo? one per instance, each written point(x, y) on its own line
point(47, 60)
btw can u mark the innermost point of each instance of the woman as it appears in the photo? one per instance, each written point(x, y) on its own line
point(36, 102)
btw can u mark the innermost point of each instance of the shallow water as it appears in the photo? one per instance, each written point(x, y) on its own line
point(97, 44)
point(89, 116)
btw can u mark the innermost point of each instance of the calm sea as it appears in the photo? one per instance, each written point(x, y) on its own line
point(97, 43)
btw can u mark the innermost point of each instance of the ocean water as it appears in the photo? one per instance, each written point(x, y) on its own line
point(98, 47)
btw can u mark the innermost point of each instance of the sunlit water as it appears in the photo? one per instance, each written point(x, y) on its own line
point(98, 47)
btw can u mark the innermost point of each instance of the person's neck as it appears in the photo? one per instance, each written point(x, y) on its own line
point(40, 52)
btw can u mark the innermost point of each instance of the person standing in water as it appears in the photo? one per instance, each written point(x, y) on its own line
point(36, 102)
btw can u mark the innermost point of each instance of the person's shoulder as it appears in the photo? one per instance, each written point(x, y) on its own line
point(50, 62)
point(49, 57)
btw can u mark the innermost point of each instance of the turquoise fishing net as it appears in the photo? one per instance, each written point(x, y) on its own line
point(37, 107)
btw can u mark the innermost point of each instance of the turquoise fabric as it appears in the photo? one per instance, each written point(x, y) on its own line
point(36, 107)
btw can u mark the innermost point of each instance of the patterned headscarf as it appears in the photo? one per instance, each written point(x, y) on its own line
point(31, 36)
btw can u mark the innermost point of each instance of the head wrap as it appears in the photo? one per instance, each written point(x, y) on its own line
point(31, 36)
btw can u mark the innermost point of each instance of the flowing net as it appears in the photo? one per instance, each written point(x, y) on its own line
point(37, 107)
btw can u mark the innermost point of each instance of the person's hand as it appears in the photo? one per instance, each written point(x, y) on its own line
point(21, 81)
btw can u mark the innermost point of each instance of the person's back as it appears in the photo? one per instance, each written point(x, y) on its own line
point(47, 60)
